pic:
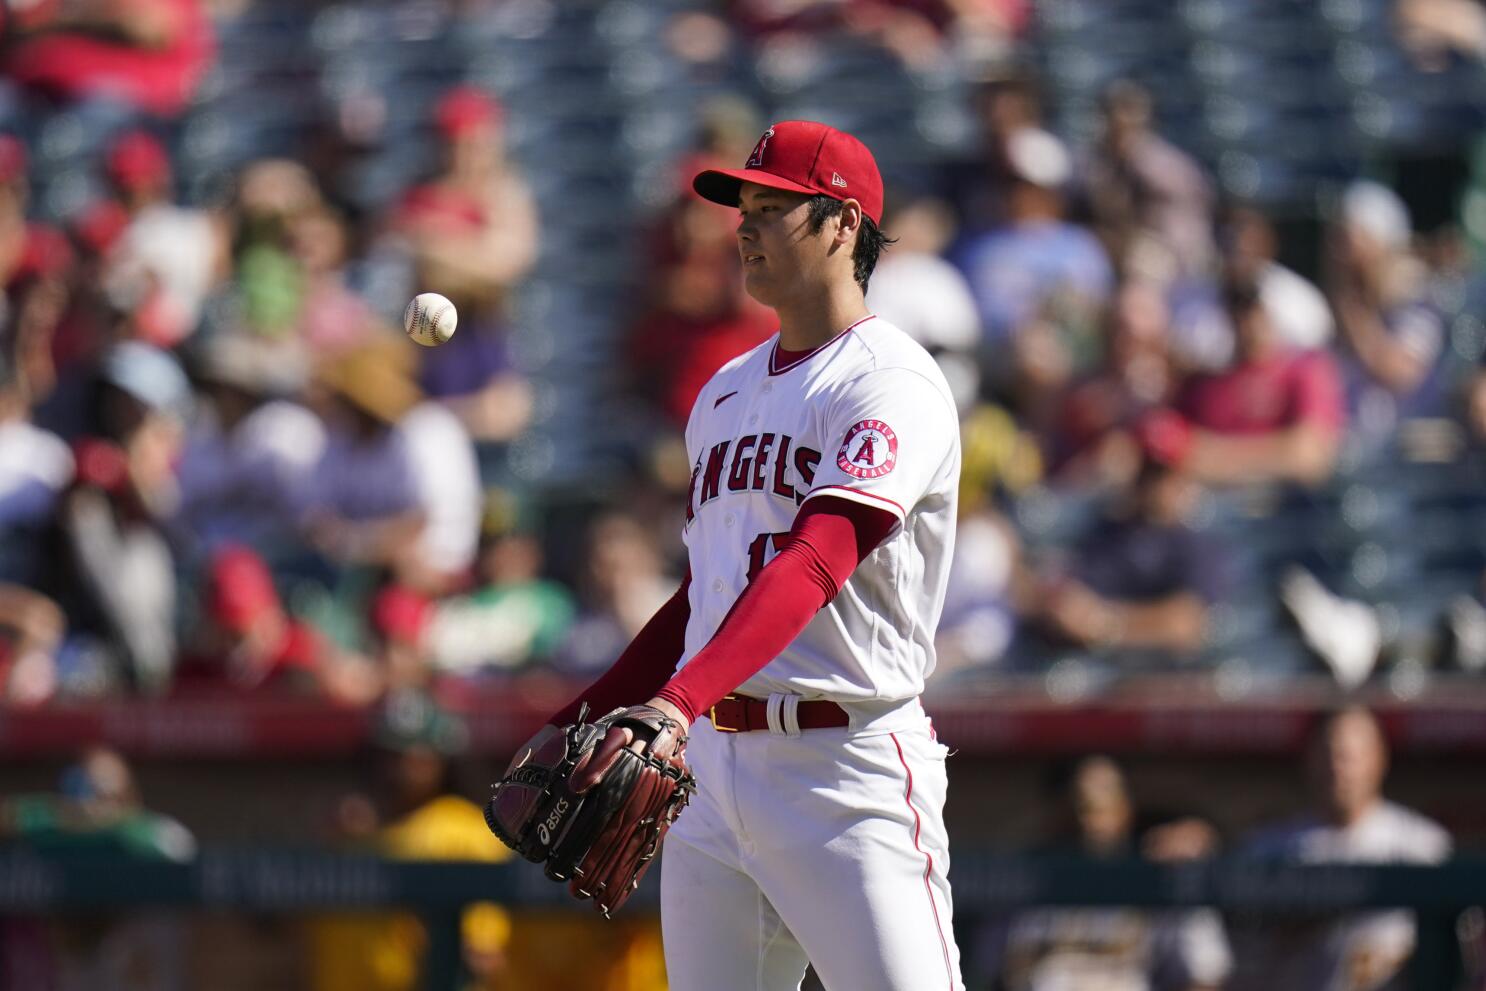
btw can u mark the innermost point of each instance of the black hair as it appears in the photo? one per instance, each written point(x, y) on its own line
point(870, 241)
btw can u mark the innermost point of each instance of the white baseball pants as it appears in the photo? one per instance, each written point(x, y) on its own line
point(827, 847)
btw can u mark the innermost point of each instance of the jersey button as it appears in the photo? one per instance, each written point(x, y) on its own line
point(729, 519)
point(768, 387)
point(753, 419)
point(717, 584)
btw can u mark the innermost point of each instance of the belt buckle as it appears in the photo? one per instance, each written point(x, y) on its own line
point(712, 715)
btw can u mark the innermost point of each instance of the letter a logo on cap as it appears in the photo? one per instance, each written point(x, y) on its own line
point(757, 158)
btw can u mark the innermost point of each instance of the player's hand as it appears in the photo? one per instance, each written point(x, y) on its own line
point(671, 712)
point(670, 739)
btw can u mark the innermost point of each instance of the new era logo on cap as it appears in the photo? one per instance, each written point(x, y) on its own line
point(802, 156)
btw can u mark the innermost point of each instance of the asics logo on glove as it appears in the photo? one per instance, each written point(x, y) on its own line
point(546, 828)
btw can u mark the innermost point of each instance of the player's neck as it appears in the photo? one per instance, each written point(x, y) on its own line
point(811, 321)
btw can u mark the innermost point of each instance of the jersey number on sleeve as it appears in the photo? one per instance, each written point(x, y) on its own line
point(758, 551)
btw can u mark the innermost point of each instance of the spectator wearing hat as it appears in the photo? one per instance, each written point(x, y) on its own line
point(473, 226)
point(401, 645)
point(397, 485)
point(1202, 333)
point(246, 642)
point(1142, 579)
point(1034, 262)
point(472, 232)
point(109, 565)
point(1393, 338)
point(1276, 414)
point(1301, 315)
point(167, 258)
point(695, 316)
point(249, 450)
point(150, 54)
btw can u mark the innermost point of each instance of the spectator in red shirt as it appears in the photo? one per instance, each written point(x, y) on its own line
point(148, 53)
point(167, 258)
point(473, 227)
point(472, 232)
point(248, 643)
point(696, 317)
point(1275, 415)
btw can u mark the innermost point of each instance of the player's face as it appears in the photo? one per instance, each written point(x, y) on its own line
point(774, 240)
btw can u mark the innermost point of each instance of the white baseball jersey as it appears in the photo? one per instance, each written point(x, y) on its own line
point(1373, 942)
point(868, 417)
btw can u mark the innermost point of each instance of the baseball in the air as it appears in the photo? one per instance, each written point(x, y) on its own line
point(430, 319)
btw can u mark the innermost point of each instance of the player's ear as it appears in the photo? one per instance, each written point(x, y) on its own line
point(849, 223)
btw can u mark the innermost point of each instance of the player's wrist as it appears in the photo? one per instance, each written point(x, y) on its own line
point(672, 709)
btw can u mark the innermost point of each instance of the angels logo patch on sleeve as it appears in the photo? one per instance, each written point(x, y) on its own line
point(869, 451)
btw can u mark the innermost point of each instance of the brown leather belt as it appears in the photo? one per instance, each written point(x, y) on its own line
point(741, 714)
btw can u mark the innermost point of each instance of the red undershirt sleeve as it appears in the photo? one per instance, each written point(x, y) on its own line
point(643, 667)
point(830, 537)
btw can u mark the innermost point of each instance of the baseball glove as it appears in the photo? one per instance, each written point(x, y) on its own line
point(594, 801)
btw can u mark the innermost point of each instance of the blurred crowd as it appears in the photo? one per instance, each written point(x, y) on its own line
point(409, 805)
point(223, 467)
point(224, 470)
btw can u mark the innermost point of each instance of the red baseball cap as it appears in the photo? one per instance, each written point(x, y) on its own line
point(138, 160)
point(464, 109)
point(239, 589)
point(802, 156)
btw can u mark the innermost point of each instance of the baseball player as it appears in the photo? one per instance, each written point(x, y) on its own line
point(819, 530)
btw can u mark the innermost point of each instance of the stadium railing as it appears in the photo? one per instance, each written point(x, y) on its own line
point(50, 883)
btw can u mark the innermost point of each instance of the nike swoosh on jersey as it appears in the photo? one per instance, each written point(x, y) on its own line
point(722, 399)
